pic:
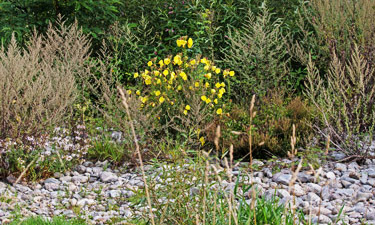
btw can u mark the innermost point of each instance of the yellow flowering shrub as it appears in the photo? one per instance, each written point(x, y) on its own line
point(188, 89)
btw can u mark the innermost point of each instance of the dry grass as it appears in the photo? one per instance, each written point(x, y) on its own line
point(39, 83)
point(346, 102)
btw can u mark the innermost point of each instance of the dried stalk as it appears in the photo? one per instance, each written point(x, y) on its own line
point(124, 102)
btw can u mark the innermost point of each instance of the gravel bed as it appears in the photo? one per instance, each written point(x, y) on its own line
point(99, 193)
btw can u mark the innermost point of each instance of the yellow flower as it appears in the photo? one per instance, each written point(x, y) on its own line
point(204, 98)
point(169, 86)
point(153, 104)
point(185, 112)
point(225, 73)
point(217, 70)
point(161, 99)
point(217, 85)
point(173, 75)
point(187, 107)
point(157, 73)
point(177, 60)
point(138, 92)
point(172, 103)
point(181, 42)
point(148, 80)
point(213, 68)
point(129, 92)
point(213, 91)
point(183, 75)
point(144, 99)
point(207, 84)
point(204, 60)
point(215, 101)
point(149, 63)
point(222, 91)
point(191, 87)
point(206, 67)
point(192, 62)
point(136, 75)
point(190, 43)
point(165, 72)
point(157, 93)
point(196, 84)
point(219, 95)
point(202, 140)
point(222, 84)
point(147, 72)
point(167, 61)
point(208, 100)
point(179, 87)
point(158, 81)
point(208, 75)
point(161, 63)
point(219, 111)
point(231, 73)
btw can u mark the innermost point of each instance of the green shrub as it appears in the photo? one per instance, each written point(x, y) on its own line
point(23, 16)
point(258, 52)
point(273, 126)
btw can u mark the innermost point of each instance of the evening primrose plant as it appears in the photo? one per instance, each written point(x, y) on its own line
point(189, 90)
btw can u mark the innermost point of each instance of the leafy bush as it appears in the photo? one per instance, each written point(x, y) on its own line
point(22, 16)
point(187, 92)
point(258, 52)
point(273, 126)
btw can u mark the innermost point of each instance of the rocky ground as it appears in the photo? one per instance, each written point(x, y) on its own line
point(99, 193)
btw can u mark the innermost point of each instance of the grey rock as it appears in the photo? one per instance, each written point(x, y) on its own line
point(371, 182)
point(370, 215)
point(80, 179)
point(51, 180)
point(353, 166)
point(52, 186)
point(364, 177)
point(81, 169)
point(326, 193)
point(331, 175)
point(371, 172)
point(322, 219)
point(313, 197)
point(363, 196)
point(314, 188)
point(114, 193)
point(108, 177)
point(341, 167)
point(66, 179)
point(345, 192)
point(298, 190)
point(304, 177)
point(282, 178)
